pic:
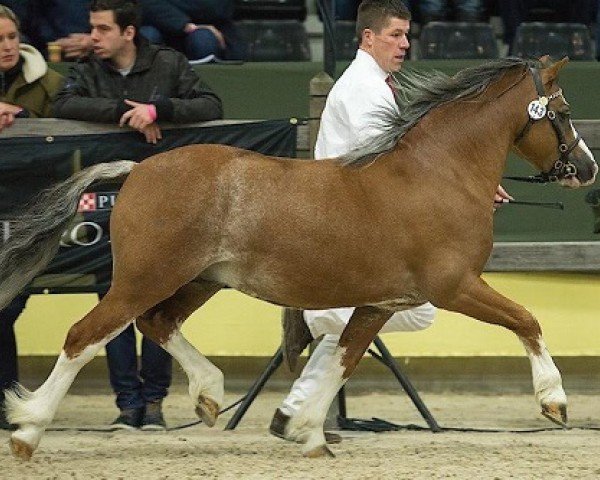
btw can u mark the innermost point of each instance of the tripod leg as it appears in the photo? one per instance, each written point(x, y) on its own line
point(341, 397)
point(255, 389)
point(407, 385)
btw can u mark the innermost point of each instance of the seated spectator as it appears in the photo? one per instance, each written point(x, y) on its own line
point(515, 12)
point(439, 10)
point(65, 22)
point(129, 82)
point(27, 89)
point(197, 28)
point(345, 9)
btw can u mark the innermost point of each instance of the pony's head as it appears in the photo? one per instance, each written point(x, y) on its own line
point(547, 138)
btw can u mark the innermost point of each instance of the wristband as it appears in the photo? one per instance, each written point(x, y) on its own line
point(152, 112)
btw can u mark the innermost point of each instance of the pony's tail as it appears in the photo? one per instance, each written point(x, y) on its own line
point(35, 234)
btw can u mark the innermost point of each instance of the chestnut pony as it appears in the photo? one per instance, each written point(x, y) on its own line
point(405, 220)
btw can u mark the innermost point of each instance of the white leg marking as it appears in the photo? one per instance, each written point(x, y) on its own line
point(306, 424)
point(33, 411)
point(547, 382)
point(204, 378)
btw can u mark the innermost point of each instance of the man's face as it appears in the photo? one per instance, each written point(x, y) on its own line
point(9, 44)
point(108, 41)
point(389, 46)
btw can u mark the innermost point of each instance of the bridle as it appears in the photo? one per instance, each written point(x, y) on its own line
point(537, 110)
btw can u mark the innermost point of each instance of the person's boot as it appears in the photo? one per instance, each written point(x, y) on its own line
point(296, 336)
point(128, 419)
point(153, 419)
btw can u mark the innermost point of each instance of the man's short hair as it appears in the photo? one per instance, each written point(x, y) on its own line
point(7, 13)
point(126, 12)
point(374, 14)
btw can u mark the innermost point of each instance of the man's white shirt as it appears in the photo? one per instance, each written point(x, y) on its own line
point(348, 120)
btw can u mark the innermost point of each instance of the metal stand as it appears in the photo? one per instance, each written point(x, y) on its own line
point(384, 357)
point(255, 389)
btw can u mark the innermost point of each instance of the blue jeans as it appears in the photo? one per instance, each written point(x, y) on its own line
point(134, 390)
point(201, 43)
point(152, 34)
point(9, 372)
point(198, 44)
point(438, 7)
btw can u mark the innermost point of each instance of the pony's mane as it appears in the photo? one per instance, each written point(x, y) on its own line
point(417, 93)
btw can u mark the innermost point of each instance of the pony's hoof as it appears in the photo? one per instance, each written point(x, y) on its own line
point(20, 449)
point(320, 451)
point(556, 413)
point(207, 410)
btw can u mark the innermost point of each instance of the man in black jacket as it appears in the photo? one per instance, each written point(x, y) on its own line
point(127, 81)
point(130, 82)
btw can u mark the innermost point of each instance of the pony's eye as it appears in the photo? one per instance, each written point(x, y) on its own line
point(564, 114)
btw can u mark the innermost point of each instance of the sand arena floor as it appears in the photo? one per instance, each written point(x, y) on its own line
point(250, 452)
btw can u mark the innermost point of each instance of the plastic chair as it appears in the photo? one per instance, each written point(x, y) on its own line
point(536, 39)
point(457, 40)
point(270, 10)
point(275, 41)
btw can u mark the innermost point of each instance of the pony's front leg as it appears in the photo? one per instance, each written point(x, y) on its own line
point(547, 382)
point(161, 324)
point(480, 301)
point(331, 366)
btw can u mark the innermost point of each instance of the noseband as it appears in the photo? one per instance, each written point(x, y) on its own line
point(537, 110)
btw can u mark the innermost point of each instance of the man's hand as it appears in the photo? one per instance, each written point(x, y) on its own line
point(501, 197)
point(139, 116)
point(76, 45)
point(142, 118)
point(7, 114)
point(152, 133)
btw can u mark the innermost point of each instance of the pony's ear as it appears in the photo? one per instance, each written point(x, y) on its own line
point(550, 73)
point(545, 61)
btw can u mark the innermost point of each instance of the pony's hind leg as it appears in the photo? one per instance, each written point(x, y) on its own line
point(33, 411)
point(480, 301)
point(161, 324)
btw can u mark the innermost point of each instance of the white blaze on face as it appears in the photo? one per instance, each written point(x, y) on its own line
point(581, 144)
